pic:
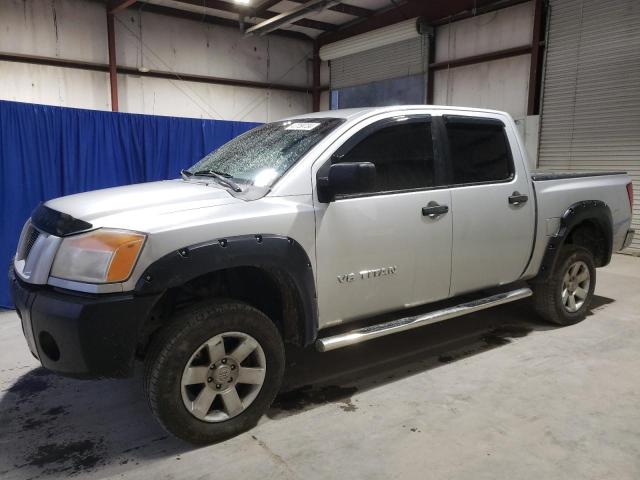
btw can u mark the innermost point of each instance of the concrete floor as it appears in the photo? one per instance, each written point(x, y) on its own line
point(496, 395)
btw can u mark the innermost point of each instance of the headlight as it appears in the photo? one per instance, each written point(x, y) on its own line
point(101, 256)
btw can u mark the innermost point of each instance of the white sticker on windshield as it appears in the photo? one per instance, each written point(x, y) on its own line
point(302, 126)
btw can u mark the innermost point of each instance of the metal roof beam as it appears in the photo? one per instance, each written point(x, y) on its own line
point(117, 5)
point(264, 7)
point(198, 17)
point(248, 12)
point(220, 5)
point(295, 16)
point(347, 9)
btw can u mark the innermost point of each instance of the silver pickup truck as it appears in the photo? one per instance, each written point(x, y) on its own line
point(326, 229)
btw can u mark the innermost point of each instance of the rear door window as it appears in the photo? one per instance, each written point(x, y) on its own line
point(478, 150)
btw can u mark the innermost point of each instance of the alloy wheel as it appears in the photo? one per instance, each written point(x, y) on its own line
point(575, 286)
point(223, 377)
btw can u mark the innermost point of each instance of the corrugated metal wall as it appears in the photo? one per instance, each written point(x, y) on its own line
point(76, 30)
point(591, 104)
point(399, 59)
point(499, 84)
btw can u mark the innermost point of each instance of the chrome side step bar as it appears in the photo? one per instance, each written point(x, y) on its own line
point(408, 323)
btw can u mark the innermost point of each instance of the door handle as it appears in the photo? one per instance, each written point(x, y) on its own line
point(517, 198)
point(434, 210)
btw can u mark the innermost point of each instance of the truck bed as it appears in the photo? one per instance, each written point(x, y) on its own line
point(555, 191)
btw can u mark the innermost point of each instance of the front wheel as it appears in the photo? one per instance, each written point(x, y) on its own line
point(213, 371)
point(565, 298)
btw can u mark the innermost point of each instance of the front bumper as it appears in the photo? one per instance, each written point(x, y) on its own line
point(81, 335)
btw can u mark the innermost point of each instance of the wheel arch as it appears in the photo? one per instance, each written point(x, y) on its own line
point(270, 272)
point(588, 224)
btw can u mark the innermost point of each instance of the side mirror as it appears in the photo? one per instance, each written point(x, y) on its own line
point(346, 178)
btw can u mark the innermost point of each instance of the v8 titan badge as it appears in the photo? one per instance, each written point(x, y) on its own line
point(367, 274)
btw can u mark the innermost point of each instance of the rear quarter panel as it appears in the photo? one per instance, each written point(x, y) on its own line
point(554, 197)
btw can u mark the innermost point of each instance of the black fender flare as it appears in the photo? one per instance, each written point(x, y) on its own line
point(592, 210)
point(260, 250)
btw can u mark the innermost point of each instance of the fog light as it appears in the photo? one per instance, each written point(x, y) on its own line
point(49, 346)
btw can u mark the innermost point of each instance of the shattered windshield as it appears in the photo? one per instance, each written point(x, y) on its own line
point(261, 156)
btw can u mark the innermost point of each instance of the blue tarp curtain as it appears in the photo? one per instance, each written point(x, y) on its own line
point(47, 152)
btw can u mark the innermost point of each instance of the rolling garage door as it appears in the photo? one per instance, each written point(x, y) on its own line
point(389, 61)
point(591, 104)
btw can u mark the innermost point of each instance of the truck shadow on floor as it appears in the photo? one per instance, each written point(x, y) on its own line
point(315, 378)
point(52, 426)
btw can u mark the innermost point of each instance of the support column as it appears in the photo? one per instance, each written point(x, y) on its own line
point(113, 71)
point(431, 56)
point(532, 103)
point(315, 91)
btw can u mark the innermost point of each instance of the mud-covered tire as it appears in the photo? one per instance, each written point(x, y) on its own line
point(172, 350)
point(548, 300)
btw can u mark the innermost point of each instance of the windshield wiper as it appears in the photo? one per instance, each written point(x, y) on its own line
point(222, 174)
point(222, 178)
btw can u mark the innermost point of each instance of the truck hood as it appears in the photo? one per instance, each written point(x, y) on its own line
point(105, 207)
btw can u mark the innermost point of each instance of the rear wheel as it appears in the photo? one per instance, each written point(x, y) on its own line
point(565, 298)
point(213, 371)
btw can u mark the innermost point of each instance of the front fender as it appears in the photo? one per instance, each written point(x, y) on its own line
point(260, 250)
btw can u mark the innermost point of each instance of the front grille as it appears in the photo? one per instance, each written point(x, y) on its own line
point(35, 254)
point(28, 242)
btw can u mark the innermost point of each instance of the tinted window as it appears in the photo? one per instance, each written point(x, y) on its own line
point(479, 152)
point(402, 154)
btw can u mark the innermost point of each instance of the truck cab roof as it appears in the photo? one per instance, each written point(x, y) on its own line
point(357, 113)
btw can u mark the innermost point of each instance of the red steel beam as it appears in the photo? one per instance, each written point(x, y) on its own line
point(103, 67)
point(485, 57)
point(54, 62)
point(487, 7)
point(187, 77)
point(113, 68)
